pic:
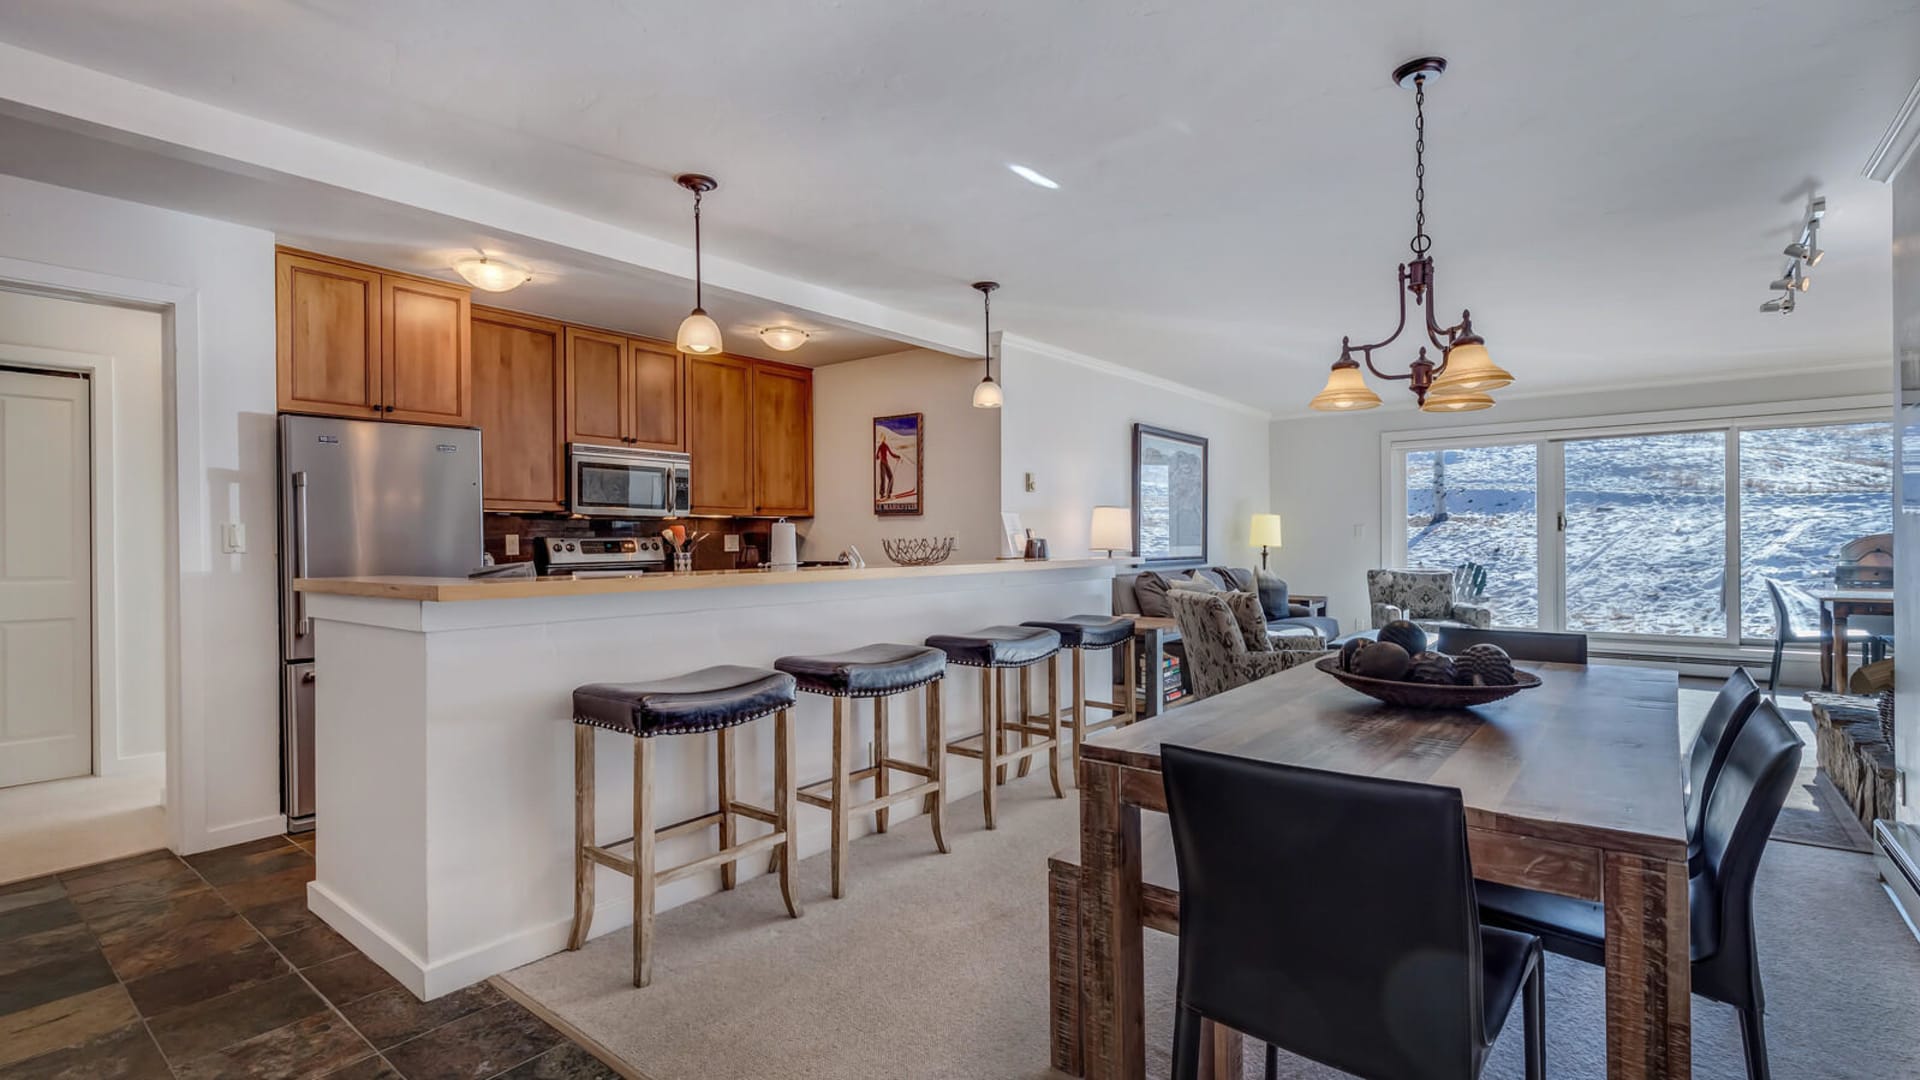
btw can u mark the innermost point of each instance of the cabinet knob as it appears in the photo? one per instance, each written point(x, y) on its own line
point(389, 408)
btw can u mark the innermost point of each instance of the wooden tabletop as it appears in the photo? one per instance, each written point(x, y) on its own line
point(1591, 756)
point(1863, 596)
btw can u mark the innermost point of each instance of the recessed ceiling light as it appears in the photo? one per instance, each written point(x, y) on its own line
point(1033, 177)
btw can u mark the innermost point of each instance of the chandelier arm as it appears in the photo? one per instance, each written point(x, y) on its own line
point(1402, 325)
point(1366, 353)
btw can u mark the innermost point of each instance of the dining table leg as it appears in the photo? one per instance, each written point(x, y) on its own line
point(1649, 972)
point(1113, 997)
point(1839, 649)
point(1222, 1053)
point(1826, 647)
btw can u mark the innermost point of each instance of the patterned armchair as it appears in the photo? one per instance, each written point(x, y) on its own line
point(1226, 647)
point(1423, 596)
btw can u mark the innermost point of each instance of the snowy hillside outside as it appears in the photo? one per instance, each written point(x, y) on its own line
point(1646, 522)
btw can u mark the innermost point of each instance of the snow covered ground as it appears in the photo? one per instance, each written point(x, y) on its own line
point(1646, 522)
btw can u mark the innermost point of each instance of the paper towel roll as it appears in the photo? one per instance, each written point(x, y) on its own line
point(785, 552)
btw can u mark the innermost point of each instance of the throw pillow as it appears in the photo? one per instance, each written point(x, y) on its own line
point(1150, 595)
point(1251, 619)
point(1211, 577)
point(1193, 584)
point(1236, 577)
point(1273, 595)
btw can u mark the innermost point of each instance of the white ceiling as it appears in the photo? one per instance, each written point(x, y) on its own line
point(1609, 184)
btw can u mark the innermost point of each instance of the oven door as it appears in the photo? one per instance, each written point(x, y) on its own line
point(618, 485)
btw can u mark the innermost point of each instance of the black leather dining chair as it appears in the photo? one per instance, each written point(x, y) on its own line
point(1707, 754)
point(1334, 915)
point(1540, 646)
point(1740, 812)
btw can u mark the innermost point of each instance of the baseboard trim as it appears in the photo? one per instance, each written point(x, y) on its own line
point(398, 960)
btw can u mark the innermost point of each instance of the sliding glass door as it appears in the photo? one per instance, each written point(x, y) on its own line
point(1665, 534)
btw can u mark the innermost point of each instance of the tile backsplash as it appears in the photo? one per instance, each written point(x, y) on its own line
point(711, 554)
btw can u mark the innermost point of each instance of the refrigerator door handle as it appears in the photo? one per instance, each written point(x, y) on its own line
point(302, 625)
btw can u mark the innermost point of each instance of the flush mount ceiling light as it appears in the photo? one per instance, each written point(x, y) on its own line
point(491, 273)
point(1034, 177)
point(699, 334)
point(1461, 380)
point(784, 338)
point(1806, 254)
point(986, 394)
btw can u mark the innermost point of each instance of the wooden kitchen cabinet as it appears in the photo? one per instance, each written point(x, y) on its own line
point(520, 406)
point(782, 440)
point(657, 375)
point(362, 343)
point(596, 387)
point(720, 434)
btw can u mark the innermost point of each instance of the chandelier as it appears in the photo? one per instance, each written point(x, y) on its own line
point(1460, 381)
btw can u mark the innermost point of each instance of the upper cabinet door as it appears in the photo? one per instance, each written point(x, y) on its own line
point(657, 377)
point(519, 404)
point(428, 351)
point(329, 337)
point(720, 434)
point(597, 382)
point(782, 440)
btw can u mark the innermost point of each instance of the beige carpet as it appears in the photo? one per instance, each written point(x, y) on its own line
point(935, 966)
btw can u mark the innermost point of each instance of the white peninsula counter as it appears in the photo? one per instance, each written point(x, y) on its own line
point(444, 742)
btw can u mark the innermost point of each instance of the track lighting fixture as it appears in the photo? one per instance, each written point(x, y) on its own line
point(1805, 253)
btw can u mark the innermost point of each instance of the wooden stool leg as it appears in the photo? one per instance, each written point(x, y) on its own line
point(786, 809)
point(937, 764)
point(880, 761)
point(1026, 710)
point(1053, 722)
point(989, 739)
point(582, 835)
point(723, 740)
point(642, 861)
point(841, 796)
point(1133, 659)
point(1079, 706)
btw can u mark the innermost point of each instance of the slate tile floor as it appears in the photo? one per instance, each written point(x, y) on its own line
point(212, 967)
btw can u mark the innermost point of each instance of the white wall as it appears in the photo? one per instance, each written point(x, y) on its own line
point(125, 359)
point(1906, 560)
point(1327, 467)
point(1069, 420)
point(962, 448)
point(223, 783)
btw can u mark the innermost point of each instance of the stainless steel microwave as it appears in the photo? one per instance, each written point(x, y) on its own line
point(608, 481)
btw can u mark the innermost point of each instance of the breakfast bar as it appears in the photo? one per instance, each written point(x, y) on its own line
point(444, 763)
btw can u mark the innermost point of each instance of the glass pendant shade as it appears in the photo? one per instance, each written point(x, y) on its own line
point(1346, 391)
point(698, 334)
point(986, 394)
point(1456, 401)
point(1470, 369)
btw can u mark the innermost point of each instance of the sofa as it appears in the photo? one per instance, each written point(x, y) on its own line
point(1424, 597)
point(1284, 619)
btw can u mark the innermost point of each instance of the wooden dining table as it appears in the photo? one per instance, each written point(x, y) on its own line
point(1836, 607)
point(1573, 787)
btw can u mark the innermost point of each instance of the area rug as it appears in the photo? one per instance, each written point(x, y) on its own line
point(935, 966)
point(1816, 813)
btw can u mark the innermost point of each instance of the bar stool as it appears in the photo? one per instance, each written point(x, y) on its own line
point(877, 672)
point(716, 699)
point(994, 651)
point(1081, 633)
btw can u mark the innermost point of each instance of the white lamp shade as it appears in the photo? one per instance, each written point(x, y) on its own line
point(1112, 529)
point(784, 338)
point(698, 334)
point(492, 275)
point(986, 394)
point(1266, 531)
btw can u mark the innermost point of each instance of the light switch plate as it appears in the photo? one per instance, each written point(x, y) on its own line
point(233, 538)
point(1031, 486)
point(730, 542)
point(513, 543)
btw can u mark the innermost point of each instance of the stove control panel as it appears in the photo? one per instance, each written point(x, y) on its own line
point(561, 553)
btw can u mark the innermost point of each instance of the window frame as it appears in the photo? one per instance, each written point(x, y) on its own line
point(1549, 438)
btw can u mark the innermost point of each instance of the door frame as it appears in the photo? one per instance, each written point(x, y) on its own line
point(99, 371)
point(185, 527)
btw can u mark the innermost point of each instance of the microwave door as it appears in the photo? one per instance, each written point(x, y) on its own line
point(621, 487)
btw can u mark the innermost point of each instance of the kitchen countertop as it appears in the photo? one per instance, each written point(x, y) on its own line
point(447, 589)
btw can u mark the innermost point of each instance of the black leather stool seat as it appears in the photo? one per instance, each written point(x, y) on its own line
point(1087, 631)
point(998, 646)
point(868, 671)
point(704, 700)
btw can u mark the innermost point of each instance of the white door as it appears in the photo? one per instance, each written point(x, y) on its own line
point(46, 578)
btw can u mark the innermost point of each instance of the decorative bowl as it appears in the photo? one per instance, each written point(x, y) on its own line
point(1426, 695)
point(919, 551)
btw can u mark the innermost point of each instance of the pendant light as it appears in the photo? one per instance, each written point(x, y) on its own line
point(699, 334)
point(986, 395)
point(1462, 378)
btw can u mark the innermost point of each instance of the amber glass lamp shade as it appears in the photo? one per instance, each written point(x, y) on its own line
point(1469, 369)
point(1346, 391)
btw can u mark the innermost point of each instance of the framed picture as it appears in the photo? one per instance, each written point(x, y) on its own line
point(897, 468)
point(1169, 495)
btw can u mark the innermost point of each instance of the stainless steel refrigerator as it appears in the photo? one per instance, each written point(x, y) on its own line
point(361, 498)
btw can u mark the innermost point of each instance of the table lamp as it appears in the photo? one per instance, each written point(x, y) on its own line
point(1112, 529)
point(1266, 534)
